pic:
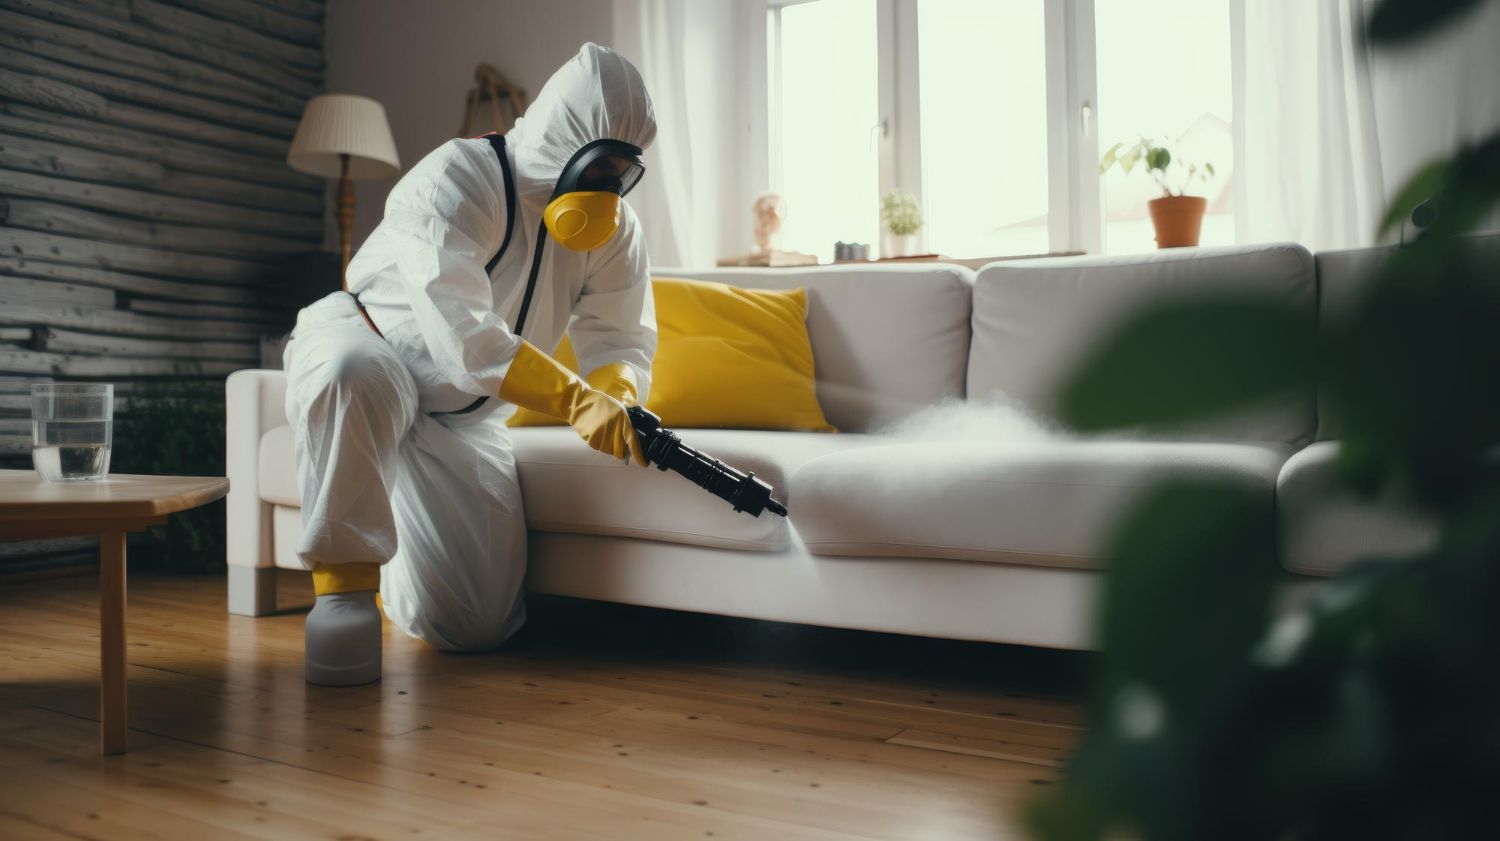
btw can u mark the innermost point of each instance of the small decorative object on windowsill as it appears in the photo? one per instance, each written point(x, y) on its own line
point(851, 252)
point(769, 211)
point(1176, 216)
point(775, 259)
point(900, 219)
point(346, 137)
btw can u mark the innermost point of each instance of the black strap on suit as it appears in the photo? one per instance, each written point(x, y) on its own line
point(497, 142)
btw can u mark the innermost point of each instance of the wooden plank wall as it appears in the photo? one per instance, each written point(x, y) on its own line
point(147, 214)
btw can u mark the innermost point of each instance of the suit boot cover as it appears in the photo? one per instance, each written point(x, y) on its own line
point(343, 636)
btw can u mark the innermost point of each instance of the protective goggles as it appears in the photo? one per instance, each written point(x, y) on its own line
point(607, 166)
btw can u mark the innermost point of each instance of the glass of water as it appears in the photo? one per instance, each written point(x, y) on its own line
point(72, 425)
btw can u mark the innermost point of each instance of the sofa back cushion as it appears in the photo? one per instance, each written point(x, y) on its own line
point(886, 340)
point(1341, 279)
point(1035, 319)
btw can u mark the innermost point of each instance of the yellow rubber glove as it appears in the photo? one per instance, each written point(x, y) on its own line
point(538, 382)
point(616, 380)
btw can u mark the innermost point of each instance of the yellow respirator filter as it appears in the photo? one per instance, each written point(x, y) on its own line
point(584, 220)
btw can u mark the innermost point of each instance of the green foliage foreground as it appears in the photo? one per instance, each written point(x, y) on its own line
point(1370, 707)
point(176, 428)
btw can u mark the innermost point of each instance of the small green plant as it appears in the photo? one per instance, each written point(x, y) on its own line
point(1173, 175)
point(900, 213)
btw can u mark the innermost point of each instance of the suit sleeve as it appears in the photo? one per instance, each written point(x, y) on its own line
point(614, 319)
point(444, 220)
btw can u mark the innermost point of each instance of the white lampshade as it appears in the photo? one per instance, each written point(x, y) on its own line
point(337, 124)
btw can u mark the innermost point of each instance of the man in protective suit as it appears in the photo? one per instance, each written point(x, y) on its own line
point(398, 390)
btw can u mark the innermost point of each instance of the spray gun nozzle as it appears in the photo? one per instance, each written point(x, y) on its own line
point(664, 449)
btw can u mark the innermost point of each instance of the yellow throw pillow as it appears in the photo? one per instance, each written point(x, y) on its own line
point(731, 357)
point(725, 357)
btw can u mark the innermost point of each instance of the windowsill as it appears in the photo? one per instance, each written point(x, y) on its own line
point(968, 262)
point(775, 261)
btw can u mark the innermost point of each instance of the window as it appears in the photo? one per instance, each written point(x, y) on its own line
point(824, 156)
point(983, 124)
point(995, 114)
point(1143, 40)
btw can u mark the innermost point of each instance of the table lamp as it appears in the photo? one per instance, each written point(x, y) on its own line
point(347, 137)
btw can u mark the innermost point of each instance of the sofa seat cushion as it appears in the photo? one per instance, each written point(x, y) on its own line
point(569, 488)
point(1324, 527)
point(1048, 504)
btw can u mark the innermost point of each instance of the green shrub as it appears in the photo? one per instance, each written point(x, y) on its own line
point(176, 428)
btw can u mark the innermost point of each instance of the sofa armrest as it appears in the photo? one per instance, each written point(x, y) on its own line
point(1324, 527)
point(254, 404)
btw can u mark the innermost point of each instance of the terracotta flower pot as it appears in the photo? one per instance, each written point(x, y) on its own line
point(1178, 219)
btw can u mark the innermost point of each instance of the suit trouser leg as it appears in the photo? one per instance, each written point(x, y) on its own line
point(350, 402)
point(382, 481)
point(456, 580)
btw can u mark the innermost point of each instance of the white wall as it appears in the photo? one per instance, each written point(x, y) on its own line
point(418, 58)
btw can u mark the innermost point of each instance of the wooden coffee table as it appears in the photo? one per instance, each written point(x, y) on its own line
point(108, 507)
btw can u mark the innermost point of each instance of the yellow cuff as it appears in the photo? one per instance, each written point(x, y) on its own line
point(538, 382)
point(617, 380)
point(345, 578)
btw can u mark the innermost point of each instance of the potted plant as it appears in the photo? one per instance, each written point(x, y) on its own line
point(902, 218)
point(1177, 217)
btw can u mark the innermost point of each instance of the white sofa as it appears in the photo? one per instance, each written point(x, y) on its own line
point(983, 540)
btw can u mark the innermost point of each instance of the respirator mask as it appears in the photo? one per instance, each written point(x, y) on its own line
point(584, 211)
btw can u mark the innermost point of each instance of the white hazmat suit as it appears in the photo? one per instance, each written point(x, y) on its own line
point(396, 462)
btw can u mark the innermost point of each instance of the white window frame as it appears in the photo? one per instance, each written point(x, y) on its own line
point(1077, 223)
point(1074, 209)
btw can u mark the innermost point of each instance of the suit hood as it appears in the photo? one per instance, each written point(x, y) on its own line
point(597, 95)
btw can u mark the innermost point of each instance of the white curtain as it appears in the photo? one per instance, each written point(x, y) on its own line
point(684, 49)
point(1307, 152)
point(1327, 131)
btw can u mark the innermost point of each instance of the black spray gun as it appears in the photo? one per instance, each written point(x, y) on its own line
point(664, 449)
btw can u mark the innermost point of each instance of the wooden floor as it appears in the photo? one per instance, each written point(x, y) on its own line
point(599, 721)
